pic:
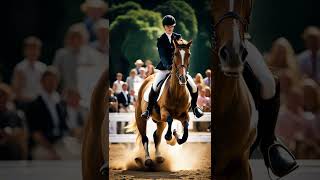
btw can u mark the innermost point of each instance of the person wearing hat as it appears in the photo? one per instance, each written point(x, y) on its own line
point(166, 49)
point(27, 73)
point(94, 10)
point(309, 60)
point(139, 63)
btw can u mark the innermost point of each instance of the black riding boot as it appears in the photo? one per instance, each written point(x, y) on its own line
point(276, 156)
point(152, 100)
point(194, 97)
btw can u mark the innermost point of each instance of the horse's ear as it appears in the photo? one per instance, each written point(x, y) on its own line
point(175, 43)
point(189, 43)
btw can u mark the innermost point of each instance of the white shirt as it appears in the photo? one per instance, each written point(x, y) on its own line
point(31, 72)
point(118, 85)
point(169, 37)
point(51, 100)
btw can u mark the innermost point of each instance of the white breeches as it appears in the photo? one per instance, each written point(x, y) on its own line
point(161, 74)
point(261, 71)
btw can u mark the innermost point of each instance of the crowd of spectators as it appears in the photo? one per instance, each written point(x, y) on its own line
point(43, 109)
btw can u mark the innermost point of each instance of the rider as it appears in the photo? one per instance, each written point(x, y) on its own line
point(166, 50)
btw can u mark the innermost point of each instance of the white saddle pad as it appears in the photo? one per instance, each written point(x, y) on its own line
point(147, 92)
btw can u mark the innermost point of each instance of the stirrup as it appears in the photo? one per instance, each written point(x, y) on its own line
point(272, 168)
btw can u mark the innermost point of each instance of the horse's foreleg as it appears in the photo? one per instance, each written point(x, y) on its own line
point(185, 133)
point(157, 140)
point(142, 127)
point(168, 135)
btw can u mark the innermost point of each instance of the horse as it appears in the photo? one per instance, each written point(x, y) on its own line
point(173, 103)
point(95, 145)
point(233, 105)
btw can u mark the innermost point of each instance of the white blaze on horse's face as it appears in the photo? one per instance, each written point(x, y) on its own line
point(182, 53)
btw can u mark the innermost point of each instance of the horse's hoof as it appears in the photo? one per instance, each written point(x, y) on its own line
point(148, 163)
point(159, 159)
point(138, 161)
point(168, 137)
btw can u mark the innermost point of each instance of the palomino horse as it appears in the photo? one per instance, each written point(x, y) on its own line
point(233, 104)
point(95, 141)
point(174, 103)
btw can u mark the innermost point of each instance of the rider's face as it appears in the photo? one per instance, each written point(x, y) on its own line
point(168, 29)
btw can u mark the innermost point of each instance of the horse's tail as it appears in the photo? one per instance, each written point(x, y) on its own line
point(132, 127)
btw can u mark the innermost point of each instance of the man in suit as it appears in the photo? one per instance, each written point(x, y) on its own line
point(124, 97)
point(46, 117)
point(166, 50)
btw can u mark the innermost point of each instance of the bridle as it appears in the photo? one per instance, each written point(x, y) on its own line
point(244, 21)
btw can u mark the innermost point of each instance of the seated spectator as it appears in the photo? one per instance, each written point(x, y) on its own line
point(47, 121)
point(102, 32)
point(27, 73)
point(117, 84)
point(124, 98)
point(150, 70)
point(139, 63)
point(207, 79)
point(76, 113)
point(133, 98)
point(113, 101)
point(309, 60)
point(13, 135)
point(282, 57)
point(204, 101)
point(208, 91)
point(79, 64)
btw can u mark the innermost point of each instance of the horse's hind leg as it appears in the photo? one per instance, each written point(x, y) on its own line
point(142, 127)
point(157, 140)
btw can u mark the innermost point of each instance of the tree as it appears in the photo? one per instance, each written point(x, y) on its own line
point(187, 23)
point(121, 9)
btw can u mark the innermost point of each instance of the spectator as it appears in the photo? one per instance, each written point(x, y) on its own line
point(148, 62)
point(139, 63)
point(309, 60)
point(134, 81)
point(13, 135)
point(47, 120)
point(287, 81)
point(79, 65)
point(142, 74)
point(94, 11)
point(75, 113)
point(27, 73)
point(124, 98)
point(282, 57)
point(208, 91)
point(207, 80)
point(199, 79)
point(204, 101)
point(113, 101)
point(291, 120)
point(117, 84)
point(102, 32)
point(150, 70)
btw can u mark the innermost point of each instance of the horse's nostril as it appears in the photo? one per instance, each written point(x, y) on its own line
point(223, 53)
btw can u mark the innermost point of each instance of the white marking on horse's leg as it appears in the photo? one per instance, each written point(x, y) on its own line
point(157, 152)
point(146, 150)
point(182, 53)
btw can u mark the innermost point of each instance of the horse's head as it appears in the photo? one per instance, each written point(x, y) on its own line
point(181, 60)
point(230, 23)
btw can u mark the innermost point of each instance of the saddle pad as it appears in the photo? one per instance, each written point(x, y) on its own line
point(147, 92)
